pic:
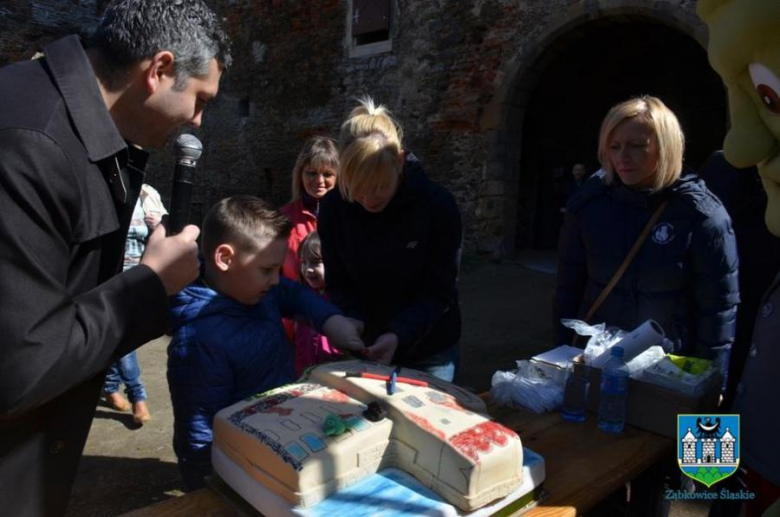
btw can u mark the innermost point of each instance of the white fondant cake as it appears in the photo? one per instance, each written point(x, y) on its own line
point(437, 433)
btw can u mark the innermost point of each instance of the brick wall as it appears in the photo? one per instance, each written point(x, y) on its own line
point(455, 78)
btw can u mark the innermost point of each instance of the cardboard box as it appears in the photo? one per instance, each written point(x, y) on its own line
point(655, 408)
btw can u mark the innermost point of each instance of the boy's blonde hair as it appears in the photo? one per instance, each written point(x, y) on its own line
point(370, 147)
point(668, 133)
point(317, 152)
point(244, 222)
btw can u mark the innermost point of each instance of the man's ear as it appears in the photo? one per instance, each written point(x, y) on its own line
point(401, 157)
point(224, 256)
point(159, 70)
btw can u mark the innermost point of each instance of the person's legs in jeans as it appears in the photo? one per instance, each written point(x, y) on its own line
point(130, 373)
point(111, 389)
point(443, 365)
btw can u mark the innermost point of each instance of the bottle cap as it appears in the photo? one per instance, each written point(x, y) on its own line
point(617, 351)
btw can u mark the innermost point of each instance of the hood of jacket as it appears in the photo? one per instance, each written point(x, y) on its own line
point(690, 187)
point(198, 301)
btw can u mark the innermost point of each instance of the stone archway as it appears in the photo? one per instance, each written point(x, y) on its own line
point(547, 117)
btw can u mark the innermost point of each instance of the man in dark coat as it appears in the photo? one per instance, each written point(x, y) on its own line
point(68, 185)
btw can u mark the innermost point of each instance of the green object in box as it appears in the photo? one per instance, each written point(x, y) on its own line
point(692, 365)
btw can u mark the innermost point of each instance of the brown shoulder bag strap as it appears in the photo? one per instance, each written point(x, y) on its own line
point(627, 262)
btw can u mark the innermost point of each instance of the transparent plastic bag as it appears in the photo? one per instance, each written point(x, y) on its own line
point(602, 338)
point(528, 387)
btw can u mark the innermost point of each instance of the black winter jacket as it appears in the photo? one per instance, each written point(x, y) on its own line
point(684, 276)
point(397, 270)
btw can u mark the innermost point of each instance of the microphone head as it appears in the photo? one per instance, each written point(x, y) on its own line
point(187, 147)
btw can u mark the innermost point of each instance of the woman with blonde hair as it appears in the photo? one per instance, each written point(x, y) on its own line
point(314, 175)
point(391, 240)
point(684, 275)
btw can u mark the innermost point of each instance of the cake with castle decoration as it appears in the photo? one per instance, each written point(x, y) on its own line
point(431, 429)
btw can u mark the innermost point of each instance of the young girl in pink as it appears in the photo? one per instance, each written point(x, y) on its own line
point(311, 347)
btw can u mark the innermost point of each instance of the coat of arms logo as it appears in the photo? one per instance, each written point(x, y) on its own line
point(708, 446)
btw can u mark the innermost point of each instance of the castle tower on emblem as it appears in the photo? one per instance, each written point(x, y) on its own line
point(727, 447)
point(708, 446)
point(689, 447)
point(707, 451)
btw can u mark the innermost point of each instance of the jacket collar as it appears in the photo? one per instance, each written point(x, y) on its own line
point(76, 81)
point(412, 182)
point(310, 205)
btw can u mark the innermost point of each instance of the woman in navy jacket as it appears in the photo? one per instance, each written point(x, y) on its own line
point(685, 274)
point(391, 243)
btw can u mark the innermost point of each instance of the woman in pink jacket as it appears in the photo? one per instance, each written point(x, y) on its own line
point(314, 175)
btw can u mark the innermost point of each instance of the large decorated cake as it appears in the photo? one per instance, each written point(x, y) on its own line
point(429, 428)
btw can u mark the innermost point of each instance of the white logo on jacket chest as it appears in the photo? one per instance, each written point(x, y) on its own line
point(663, 233)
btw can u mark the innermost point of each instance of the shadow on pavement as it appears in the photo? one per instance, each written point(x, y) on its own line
point(120, 485)
point(126, 419)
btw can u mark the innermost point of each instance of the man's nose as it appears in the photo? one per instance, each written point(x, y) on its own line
point(197, 119)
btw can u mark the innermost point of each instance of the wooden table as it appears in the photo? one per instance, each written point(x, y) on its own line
point(583, 465)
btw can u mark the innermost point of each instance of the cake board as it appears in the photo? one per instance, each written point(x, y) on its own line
point(389, 492)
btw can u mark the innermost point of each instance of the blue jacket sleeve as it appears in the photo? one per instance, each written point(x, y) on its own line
point(572, 276)
point(299, 302)
point(439, 292)
point(715, 283)
point(200, 378)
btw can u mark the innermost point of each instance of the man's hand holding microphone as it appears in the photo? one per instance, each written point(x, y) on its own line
point(172, 252)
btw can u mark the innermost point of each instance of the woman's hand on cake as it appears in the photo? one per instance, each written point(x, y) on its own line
point(383, 349)
point(344, 333)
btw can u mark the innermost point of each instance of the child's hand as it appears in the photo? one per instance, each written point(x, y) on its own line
point(153, 220)
point(343, 333)
point(383, 349)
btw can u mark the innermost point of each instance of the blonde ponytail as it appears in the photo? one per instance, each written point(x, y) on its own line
point(369, 148)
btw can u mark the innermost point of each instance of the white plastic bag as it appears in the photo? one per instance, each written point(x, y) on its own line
point(528, 387)
point(602, 338)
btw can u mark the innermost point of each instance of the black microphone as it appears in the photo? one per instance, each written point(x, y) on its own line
point(188, 149)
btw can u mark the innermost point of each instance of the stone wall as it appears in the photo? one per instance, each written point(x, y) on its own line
point(457, 78)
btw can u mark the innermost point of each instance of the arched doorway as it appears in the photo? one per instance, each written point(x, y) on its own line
point(578, 78)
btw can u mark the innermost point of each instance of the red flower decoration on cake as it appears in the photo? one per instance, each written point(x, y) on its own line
point(481, 438)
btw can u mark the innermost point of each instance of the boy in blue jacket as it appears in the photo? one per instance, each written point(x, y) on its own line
point(228, 341)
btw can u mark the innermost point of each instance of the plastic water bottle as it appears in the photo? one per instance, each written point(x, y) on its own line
point(575, 394)
point(614, 392)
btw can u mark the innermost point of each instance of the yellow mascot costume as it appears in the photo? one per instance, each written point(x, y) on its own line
point(744, 48)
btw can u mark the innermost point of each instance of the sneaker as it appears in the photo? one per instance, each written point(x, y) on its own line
point(117, 401)
point(141, 413)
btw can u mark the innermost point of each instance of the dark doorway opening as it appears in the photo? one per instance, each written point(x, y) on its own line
point(582, 75)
